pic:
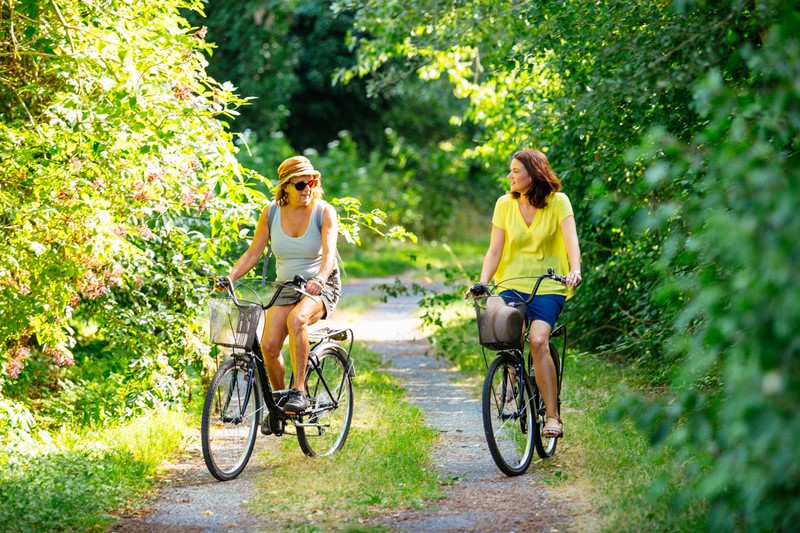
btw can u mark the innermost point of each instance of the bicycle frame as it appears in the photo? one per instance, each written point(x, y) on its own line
point(325, 341)
point(232, 410)
point(513, 431)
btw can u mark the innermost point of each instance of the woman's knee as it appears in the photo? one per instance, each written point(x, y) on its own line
point(271, 349)
point(539, 344)
point(296, 320)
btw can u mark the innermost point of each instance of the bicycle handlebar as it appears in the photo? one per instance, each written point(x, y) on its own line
point(297, 284)
point(479, 289)
point(550, 275)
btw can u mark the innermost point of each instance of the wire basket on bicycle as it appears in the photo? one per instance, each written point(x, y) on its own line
point(500, 324)
point(231, 325)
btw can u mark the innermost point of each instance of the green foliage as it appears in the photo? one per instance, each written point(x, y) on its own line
point(743, 310)
point(120, 195)
point(116, 174)
point(384, 192)
point(689, 242)
point(284, 54)
point(253, 49)
point(581, 82)
point(72, 482)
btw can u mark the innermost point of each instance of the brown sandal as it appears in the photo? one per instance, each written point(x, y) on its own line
point(552, 431)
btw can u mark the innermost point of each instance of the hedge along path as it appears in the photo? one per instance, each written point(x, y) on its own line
point(478, 497)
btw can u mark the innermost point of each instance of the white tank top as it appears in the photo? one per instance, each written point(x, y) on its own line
point(298, 255)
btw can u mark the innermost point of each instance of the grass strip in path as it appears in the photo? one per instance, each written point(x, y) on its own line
point(383, 464)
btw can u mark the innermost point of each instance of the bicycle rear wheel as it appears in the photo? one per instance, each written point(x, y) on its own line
point(231, 415)
point(324, 428)
point(507, 417)
point(546, 446)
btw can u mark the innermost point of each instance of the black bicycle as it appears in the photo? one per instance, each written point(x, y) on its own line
point(513, 408)
point(240, 394)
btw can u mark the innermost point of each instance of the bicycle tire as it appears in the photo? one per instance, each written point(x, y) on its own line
point(546, 446)
point(231, 416)
point(330, 394)
point(507, 423)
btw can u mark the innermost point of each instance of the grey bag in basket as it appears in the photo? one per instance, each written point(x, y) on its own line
point(500, 324)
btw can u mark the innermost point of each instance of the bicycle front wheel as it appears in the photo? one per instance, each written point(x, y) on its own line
point(507, 417)
point(231, 416)
point(324, 428)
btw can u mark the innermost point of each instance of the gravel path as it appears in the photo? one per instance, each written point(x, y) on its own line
point(480, 497)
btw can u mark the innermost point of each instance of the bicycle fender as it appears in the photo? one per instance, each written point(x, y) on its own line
point(341, 351)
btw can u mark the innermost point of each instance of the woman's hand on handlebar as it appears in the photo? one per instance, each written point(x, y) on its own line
point(314, 286)
point(222, 283)
point(573, 279)
point(479, 289)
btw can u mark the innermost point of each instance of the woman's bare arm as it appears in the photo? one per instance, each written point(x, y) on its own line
point(260, 239)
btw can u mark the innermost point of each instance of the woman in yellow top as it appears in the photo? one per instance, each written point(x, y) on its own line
point(533, 229)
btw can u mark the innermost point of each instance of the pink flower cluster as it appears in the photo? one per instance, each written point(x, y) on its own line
point(153, 174)
point(190, 196)
point(182, 92)
point(140, 192)
point(144, 231)
point(93, 286)
point(16, 281)
point(18, 355)
point(60, 357)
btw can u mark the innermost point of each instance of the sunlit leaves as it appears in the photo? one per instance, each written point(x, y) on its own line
point(674, 130)
point(111, 149)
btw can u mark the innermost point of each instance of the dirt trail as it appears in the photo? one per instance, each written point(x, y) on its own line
point(480, 497)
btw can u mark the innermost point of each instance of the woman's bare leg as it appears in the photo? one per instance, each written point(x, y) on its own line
point(543, 367)
point(305, 313)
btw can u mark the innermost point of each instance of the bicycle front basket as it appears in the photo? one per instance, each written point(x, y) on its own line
point(232, 326)
point(499, 324)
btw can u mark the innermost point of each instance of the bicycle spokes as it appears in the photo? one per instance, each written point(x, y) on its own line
point(507, 417)
point(330, 393)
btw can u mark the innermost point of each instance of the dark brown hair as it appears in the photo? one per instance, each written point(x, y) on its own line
point(543, 181)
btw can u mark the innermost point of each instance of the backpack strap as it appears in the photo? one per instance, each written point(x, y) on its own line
point(271, 212)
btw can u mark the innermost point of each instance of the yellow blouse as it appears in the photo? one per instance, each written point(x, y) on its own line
point(531, 250)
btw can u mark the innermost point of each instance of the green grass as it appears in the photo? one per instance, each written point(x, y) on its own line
point(75, 481)
point(393, 259)
point(634, 484)
point(619, 481)
point(384, 463)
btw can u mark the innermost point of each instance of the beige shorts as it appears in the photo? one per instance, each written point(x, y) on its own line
point(331, 293)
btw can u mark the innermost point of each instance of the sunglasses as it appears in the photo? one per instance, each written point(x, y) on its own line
point(301, 185)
